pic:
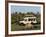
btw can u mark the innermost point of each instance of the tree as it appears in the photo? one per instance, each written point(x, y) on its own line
point(20, 13)
point(16, 13)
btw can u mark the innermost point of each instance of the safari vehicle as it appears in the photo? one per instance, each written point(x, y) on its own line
point(28, 20)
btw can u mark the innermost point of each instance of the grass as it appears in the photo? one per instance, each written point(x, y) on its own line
point(16, 27)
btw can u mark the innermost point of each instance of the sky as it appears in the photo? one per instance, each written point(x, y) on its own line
point(25, 9)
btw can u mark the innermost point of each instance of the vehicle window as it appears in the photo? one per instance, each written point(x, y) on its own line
point(25, 19)
point(30, 19)
point(34, 19)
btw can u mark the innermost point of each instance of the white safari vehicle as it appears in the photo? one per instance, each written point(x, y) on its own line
point(29, 20)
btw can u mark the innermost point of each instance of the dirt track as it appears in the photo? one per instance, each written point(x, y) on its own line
point(28, 26)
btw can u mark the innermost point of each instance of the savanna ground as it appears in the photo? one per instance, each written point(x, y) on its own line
point(16, 17)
